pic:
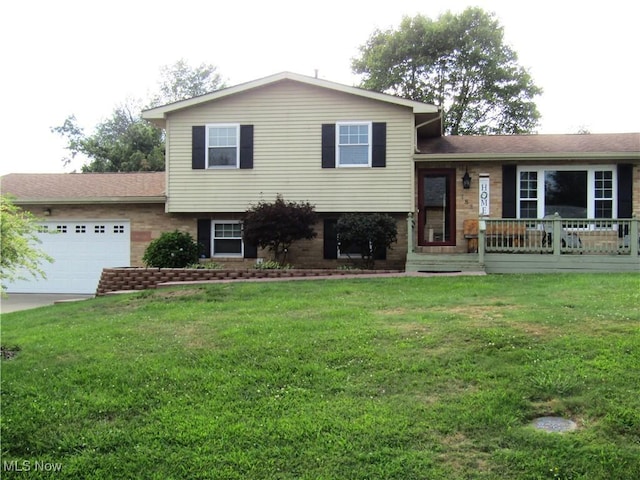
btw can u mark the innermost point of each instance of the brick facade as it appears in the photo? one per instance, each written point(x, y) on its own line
point(309, 253)
point(149, 221)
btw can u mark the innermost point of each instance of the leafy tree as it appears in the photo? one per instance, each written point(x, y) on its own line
point(172, 250)
point(18, 237)
point(123, 143)
point(181, 81)
point(458, 62)
point(368, 233)
point(277, 225)
point(127, 143)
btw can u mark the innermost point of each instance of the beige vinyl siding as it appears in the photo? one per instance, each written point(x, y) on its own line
point(287, 118)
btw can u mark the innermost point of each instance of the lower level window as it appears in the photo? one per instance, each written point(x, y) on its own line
point(227, 239)
point(353, 252)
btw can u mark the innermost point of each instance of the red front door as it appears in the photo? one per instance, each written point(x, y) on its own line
point(436, 207)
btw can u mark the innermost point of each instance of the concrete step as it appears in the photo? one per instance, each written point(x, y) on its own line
point(443, 263)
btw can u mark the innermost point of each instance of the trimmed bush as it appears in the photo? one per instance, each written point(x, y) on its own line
point(172, 250)
point(368, 234)
point(277, 225)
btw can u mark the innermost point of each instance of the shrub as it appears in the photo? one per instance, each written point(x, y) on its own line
point(171, 250)
point(368, 234)
point(277, 225)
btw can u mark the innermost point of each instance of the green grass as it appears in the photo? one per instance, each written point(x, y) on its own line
point(401, 378)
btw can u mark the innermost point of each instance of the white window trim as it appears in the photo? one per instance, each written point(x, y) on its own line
point(213, 240)
point(369, 149)
point(591, 200)
point(222, 125)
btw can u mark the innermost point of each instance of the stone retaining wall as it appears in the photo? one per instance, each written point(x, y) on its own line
point(123, 279)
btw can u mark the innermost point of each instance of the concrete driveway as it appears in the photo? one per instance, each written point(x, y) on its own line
point(13, 302)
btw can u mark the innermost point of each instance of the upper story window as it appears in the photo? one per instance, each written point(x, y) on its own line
point(354, 144)
point(222, 146)
point(581, 192)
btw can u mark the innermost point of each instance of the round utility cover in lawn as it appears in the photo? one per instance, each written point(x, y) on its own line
point(554, 424)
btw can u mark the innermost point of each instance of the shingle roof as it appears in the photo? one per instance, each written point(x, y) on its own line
point(532, 144)
point(87, 187)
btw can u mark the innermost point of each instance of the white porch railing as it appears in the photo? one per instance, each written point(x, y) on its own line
point(558, 236)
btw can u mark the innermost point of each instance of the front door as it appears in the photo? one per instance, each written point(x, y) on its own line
point(436, 207)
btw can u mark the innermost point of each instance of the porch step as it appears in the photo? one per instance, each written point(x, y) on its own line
point(420, 262)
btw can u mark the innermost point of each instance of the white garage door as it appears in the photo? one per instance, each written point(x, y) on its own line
point(81, 249)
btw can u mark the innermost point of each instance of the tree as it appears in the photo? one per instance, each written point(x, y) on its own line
point(458, 62)
point(277, 225)
point(18, 237)
point(127, 143)
point(181, 81)
point(123, 143)
point(369, 234)
point(171, 250)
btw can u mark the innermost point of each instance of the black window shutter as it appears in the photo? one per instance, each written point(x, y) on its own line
point(509, 185)
point(198, 147)
point(204, 237)
point(625, 191)
point(246, 147)
point(379, 145)
point(330, 239)
point(250, 251)
point(380, 254)
point(328, 145)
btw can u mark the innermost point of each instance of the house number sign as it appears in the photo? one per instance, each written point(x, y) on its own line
point(484, 201)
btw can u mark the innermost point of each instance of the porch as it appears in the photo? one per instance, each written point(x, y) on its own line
point(552, 244)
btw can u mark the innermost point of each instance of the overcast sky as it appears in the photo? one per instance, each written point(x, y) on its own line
point(81, 57)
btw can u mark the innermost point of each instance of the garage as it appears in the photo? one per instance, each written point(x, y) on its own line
point(80, 249)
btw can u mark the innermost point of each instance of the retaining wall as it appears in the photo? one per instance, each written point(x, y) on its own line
point(124, 279)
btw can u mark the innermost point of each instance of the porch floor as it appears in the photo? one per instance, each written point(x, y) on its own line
point(520, 263)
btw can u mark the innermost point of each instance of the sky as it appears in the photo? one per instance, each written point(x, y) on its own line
point(84, 57)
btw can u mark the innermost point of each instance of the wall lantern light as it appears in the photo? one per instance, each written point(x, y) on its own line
point(466, 180)
point(47, 212)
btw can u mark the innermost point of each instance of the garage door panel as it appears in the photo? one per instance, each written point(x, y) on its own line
point(81, 249)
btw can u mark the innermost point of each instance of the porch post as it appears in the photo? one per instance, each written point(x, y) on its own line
point(633, 235)
point(557, 233)
point(482, 229)
point(410, 240)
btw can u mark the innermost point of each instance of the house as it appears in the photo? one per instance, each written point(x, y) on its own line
point(341, 148)
point(346, 149)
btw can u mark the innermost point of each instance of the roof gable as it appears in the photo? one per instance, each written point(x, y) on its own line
point(158, 114)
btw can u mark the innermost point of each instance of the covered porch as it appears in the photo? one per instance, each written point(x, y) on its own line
point(547, 245)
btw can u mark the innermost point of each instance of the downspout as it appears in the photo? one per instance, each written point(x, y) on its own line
point(415, 133)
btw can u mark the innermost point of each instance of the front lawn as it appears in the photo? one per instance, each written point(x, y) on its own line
point(395, 378)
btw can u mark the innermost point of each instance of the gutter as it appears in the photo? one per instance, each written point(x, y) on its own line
point(88, 200)
point(478, 157)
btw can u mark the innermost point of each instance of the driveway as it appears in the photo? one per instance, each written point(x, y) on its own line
point(13, 302)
